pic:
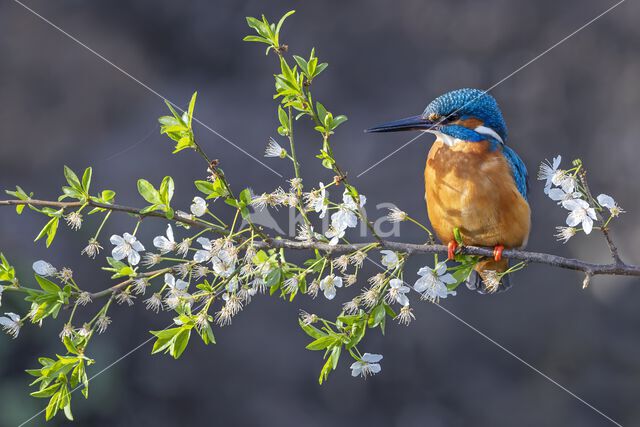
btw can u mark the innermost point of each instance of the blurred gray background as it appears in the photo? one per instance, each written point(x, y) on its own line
point(63, 105)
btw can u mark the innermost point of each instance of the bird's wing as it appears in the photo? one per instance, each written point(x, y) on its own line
point(518, 170)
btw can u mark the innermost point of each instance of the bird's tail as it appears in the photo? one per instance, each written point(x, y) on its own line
point(486, 277)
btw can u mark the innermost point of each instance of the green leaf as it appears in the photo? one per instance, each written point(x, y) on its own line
point(377, 316)
point(457, 236)
point(49, 230)
point(245, 196)
point(192, 105)
point(167, 188)
point(47, 285)
point(358, 331)
point(256, 39)
point(321, 111)
point(302, 63)
point(86, 179)
point(47, 391)
point(311, 330)
point(52, 407)
point(326, 370)
point(322, 343)
point(181, 341)
point(206, 334)
point(337, 121)
point(148, 192)
point(335, 356)
point(205, 187)
point(281, 21)
point(72, 178)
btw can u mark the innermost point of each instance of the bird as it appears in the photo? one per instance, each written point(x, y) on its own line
point(475, 184)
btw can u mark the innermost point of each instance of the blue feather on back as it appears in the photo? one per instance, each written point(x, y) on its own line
point(518, 170)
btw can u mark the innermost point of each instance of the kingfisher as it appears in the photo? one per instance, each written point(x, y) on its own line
point(475, 184)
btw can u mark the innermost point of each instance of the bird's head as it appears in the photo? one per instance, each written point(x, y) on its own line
point(466, 114)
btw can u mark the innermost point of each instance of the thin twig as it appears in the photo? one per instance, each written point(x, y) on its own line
point(605, 231)
point(112, 207)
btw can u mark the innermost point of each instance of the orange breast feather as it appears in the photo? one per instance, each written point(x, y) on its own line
point(471, 187)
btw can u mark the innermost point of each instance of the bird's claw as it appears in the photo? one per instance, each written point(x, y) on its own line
point(451, 250)
point(497, 252)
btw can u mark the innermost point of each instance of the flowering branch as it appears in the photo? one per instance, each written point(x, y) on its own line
point(618, 268)
point(236, 259)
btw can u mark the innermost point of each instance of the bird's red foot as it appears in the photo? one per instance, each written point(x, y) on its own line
point(451, 250)
point(497, 252)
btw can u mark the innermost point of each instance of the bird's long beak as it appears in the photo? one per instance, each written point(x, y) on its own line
point(409, 123)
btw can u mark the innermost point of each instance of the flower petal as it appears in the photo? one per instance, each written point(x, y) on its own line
point(587, 225)
point(372, 357)
point(116, 240)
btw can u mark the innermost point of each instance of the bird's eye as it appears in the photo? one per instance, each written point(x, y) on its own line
point(453, 117)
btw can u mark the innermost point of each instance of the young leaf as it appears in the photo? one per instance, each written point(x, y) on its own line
point(86, 179)
point(72, 178)
point(148, 192)
point(192, 105)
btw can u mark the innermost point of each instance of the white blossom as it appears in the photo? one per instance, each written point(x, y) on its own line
point(126, 246)
point(232, 285)
point(290, 285)
point(560, 195)
point(44, 269)
point(150, 259)
point(398, 291)
point(102, 324)
point(350, 279)
point(305, 233)
point(547, 171)
point(357, 258)
point(308, 318)
point(84, 298)
point(329, 284)
point(366, 366)
point(396, 215)
point(563, 234)
point(581, 213)
point(608, 202)
point(153, 303)
point(345, 216)
point(296, 184)
point(224, 263)
point(341, 263)
point(199, 206)
point(318, 200)
point(140, 285)
point(204, 254)
point(165, 244)
point(125, 297)
point(74, 220)
point(352, 306)
point(92, 249)
point(334, 235)
point(182, 248)
point(389, 259)
point(491, 279)
point(405, 316)
point(177, 286)
point(433, 282)
point(65, 275)
point(1, 290)
point(11, 324)
point(274, 149)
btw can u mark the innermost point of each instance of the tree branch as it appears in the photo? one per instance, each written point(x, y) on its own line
point(112, 207)
point(590, 269)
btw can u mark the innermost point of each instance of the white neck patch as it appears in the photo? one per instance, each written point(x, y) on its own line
point(488, 131)
point(446, 139)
